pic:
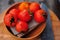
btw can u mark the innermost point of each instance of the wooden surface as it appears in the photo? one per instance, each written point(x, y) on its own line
point(55, 27)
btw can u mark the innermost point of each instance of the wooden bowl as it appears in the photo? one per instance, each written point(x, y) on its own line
point(32, 35)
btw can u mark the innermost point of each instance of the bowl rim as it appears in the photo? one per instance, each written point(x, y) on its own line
point(28, 37)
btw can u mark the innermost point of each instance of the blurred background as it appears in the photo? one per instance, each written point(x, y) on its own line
point(51, 4)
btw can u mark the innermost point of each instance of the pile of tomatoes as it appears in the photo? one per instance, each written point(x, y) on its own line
point(20, 16)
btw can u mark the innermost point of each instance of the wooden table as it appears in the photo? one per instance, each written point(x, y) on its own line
point(55, 27)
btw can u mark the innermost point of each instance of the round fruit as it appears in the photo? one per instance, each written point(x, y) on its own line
point(14, 12)
point(21, 26)
point(34, 7)
point(39, 16)
point(10, 20)
point(24, 16)
point(23, 5)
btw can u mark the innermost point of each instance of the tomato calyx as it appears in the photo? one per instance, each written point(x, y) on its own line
point(31, 13)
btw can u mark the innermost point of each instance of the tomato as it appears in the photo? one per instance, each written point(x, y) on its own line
point(24, 16)
point(10, 20)
point(14, 12)
point(23, 5)
point(34, 7)
point(39, 16)
point(21, 26)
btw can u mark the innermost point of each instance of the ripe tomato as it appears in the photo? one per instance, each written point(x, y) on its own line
point(23, 5)
point(10, 20)
point(24, 16)
point(14, 12)
point(21, 26)
point(39, 16)
point(34, 7)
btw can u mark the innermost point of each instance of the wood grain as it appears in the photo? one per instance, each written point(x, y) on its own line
point(55, 25)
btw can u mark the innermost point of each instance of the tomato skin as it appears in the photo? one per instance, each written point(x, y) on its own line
point(7, 20)
point(14, 12)
point(21, 26)
point(23, 5)
point(24, 16)
point(38, 16)
point(34, 7)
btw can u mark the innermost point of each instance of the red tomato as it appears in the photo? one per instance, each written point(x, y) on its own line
point(10, 20)
point(23, 5)
point(22, 26)
point(14, 12)
point(39, 16)
point(34, 7)
point(24, 16)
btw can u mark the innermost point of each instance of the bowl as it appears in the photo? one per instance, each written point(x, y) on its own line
point(33, 35)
